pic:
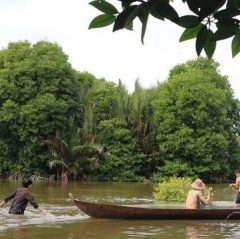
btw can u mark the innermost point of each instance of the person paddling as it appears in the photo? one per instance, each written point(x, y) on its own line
point(21, 197)
point(195, 197)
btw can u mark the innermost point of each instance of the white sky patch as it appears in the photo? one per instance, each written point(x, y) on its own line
point(113, 56)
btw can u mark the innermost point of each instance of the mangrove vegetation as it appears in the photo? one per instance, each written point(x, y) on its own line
point(59, 123)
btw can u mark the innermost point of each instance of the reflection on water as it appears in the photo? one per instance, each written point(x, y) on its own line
point(195, 232)
point(90, 229)
point(65, 221)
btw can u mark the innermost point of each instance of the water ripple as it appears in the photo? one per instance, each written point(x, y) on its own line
point(56, 215)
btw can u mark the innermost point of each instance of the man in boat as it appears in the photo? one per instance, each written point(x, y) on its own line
point(21, 198)
point(236, 185)
point(195, 198)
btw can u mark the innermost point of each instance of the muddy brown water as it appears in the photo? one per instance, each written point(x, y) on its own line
point(65, 220)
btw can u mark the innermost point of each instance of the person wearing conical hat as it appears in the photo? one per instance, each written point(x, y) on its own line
point(195, 196)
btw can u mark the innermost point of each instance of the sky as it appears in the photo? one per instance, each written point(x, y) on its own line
point(106, 54)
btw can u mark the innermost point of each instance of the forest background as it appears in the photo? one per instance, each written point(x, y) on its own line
point(59, 123)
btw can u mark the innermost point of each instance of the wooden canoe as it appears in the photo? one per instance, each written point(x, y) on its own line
point(99, 210)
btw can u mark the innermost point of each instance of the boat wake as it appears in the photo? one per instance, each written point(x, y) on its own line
point(56, 216)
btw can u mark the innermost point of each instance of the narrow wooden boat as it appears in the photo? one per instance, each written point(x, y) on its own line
point(99, 210)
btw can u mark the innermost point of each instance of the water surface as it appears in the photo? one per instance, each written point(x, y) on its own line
point(65, 220)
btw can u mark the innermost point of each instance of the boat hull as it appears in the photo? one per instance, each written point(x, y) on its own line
point(98, 210)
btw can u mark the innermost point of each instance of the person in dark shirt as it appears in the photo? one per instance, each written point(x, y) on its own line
point(21, 197)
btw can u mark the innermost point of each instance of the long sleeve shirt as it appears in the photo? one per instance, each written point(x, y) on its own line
point(21, 198)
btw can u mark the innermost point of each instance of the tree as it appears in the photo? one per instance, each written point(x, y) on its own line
point(195, 113)
point(73, 152)
point(124, 159)
point(37, 90)
point(77, 149)
point(141, 123)
point(209, 22)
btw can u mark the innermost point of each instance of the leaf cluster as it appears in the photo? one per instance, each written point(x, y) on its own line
point(172, 189)
point(185, 126)
point(124, 159)
point(193, 111)
point(37, 90)
point(210, 21)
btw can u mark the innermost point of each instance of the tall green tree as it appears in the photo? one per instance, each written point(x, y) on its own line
point(37, 89)
point(123, 158)
point(74, 154)
point(198, 119)
point(76, 150)
point(103, 98)
point(141, 123)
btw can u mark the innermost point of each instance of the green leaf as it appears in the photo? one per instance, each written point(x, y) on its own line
point(188, 21)
point(144, 20)
point(205, 11)
point(224, 32)
point(201, 39)
point(136, 12)
point(226, 13)
point(190, 33)
point(155, 13)
point(102, 21)
point(125, 4)
point(193, 5)
point(121, 19)
point(210, 45)
point(165, 10)
point(236, 44)
point(228, 21)
point(104, 7)
point(233, 4)
point(129, 26)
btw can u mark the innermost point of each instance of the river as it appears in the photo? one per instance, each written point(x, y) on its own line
point(65, 221)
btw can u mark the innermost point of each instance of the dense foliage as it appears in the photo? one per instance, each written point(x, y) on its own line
point(124, 156)
point(55, 121)
point(172, 189)
point(209, 21)
point(195, 114)
point(37, 89)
